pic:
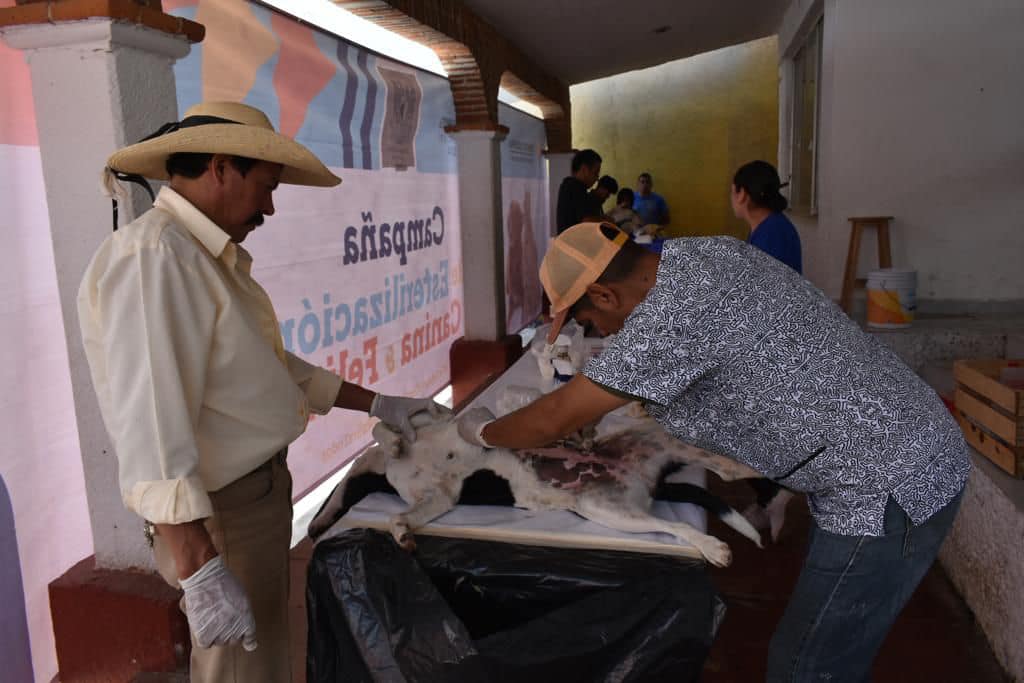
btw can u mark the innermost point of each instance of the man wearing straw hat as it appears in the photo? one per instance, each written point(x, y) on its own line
point(196, 389)
point(733, 351)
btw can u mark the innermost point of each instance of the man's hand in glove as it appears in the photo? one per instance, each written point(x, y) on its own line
point(217, 607)
point(395, 411)
point(472, 423)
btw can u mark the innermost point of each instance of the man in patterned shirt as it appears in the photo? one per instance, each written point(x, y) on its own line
point(733, 351)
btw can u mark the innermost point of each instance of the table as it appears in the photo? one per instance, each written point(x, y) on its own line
point(491, 593)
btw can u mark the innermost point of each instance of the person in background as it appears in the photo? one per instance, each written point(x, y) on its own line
point(623, 215)
point(756, 200)
point(196, 389)
point(650, 206)
point(573, 203)
point(606, 187)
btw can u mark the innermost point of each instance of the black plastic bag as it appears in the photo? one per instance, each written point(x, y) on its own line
point(459, 610)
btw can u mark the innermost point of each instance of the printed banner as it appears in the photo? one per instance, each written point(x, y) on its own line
point(365, 278)
point(524, 191)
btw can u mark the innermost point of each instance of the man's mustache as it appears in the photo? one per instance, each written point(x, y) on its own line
point(256, 220)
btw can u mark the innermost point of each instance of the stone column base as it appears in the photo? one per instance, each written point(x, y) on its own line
point(112, 625)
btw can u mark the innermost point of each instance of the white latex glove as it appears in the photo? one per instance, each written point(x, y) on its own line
point(472, 423)
point(395, 411)
point(217, 607)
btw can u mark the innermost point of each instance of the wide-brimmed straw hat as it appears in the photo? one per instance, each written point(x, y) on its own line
point(575, 260)
point(223, 128)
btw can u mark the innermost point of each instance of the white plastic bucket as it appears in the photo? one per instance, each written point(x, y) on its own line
point(892, 297)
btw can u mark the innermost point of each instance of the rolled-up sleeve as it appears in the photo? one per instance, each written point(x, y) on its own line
point(157, 323)
point(321, 386)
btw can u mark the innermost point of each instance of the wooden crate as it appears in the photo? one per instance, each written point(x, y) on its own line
point(991, 413)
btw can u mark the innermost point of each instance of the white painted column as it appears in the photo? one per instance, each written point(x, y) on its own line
point(480, 221)
point(559, 166)
point(97, 85)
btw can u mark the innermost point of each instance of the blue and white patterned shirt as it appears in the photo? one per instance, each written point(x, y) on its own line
point(735, 352)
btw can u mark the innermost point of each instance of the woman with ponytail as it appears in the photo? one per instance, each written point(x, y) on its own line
point(757, 200)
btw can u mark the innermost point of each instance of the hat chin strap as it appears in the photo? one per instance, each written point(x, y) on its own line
point(187, 122)
point(109, 177)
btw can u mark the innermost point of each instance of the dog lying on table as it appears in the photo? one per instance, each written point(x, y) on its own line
point(612, 482)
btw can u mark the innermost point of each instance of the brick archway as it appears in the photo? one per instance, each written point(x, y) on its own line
point(478, 59)
point(557, 123)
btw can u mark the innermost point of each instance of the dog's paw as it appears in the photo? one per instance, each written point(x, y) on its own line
point(407, 542)
point(716, 552)
point(387, 439)
point(402, 534)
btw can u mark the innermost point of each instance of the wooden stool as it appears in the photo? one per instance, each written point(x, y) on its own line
point(850, 279)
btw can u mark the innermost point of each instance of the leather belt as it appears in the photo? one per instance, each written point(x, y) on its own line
point(280, 458)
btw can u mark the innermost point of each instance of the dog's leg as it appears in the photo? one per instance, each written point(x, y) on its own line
point(769, 512)
point(428, 508)
point(387, 440)
point(626, 518)
point(776, 511)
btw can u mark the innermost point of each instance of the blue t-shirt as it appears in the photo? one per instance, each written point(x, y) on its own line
point(776, 236)
point(651, 209)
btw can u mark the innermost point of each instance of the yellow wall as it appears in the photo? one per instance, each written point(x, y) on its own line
point(690, 123)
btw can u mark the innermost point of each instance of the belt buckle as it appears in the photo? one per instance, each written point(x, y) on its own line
point(149, 530)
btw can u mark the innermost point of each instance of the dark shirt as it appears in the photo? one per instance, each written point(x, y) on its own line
point(595, 205)
point(572, 203)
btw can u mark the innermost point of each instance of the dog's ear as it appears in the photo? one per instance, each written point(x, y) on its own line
point(387, 439)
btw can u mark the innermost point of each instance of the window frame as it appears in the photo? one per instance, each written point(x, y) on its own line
point(804, 185)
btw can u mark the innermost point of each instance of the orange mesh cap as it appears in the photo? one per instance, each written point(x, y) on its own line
point(575, 260)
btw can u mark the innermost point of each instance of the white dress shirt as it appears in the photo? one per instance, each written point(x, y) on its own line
point(194, 384)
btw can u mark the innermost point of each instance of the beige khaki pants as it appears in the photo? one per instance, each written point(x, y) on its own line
point(251, 529)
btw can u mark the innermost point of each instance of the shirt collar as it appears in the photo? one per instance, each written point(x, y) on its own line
point(215, 240)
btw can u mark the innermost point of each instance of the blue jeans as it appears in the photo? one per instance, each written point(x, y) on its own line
point(851, 589)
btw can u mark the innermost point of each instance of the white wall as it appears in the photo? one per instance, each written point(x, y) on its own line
point(921, 120)
point(40, 460)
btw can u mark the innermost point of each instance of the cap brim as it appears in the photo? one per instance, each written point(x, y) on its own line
point(556, 325)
